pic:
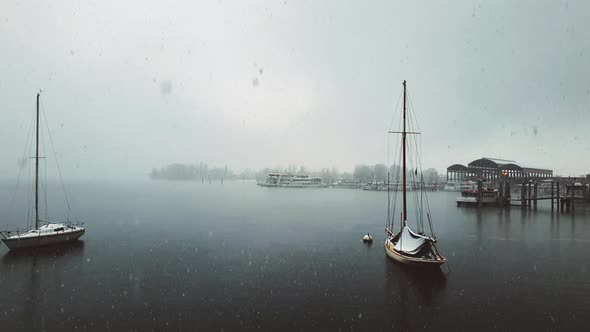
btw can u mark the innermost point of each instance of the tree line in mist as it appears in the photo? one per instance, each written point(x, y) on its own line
point(362, 173)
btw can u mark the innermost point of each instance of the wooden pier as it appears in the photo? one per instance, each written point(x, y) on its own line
point(564, 193)
point(522, 186)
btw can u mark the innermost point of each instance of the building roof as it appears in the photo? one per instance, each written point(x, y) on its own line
point(483, 163)
point(511, 167)
point(501, 163)
point(457, 167)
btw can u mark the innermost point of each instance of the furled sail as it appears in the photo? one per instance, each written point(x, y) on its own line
point(410, 242)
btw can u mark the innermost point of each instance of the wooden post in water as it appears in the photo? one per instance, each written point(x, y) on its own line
point(536, 187)
point(522, 194)
point(573, 195)
point(558, 201)
point(552, 185)
point(562, 201)
point(501, 193)
point(529, 194)
point(566, 199)
point(479, 189)
point(507, 192)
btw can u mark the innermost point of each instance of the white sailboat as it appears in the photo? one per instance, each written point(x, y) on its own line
point(407, 246)
point(49, 233)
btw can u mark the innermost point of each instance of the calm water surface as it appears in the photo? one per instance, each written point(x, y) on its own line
point(186, 256)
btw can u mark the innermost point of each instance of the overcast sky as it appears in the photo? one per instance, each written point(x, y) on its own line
point(131, 85)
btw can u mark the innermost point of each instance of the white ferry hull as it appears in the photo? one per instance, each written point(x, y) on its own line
point(42, 240)
point(291, 185)
point(450, 188)
point(305, 186)
point(472, 201)
point(263, 184)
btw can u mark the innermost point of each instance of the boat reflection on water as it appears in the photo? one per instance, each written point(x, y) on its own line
point(34, 272)
point(412, 294)
point(426, 286)
point(40, 254)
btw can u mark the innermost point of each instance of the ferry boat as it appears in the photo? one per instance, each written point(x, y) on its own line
point(450, 186)
point(470, 197)
point(375, 186)
point(292, 181)
point(346, 183)
point(460, 186)
point(393, 186)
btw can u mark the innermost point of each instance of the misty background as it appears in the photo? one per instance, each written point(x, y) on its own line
point(136, 85)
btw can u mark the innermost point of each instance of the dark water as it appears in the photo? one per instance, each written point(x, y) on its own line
point(186, 256)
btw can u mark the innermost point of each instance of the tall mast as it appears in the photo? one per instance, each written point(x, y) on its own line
point(405, 216)
point(37, 169)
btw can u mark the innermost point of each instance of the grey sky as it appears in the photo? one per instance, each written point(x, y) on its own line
point(132, 85)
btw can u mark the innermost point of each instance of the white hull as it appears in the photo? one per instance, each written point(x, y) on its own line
point(305, 186)
point(44, 237)
point(458, 186)
point(292, 180)
point(290, 185)
point(346, 183)
point(264, 184)
point(473, 201)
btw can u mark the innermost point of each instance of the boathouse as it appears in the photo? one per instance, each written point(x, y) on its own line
point(492, 170)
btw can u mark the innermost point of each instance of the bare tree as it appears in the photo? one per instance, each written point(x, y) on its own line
point(380, 172)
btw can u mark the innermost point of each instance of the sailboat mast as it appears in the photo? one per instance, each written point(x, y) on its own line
point(37, 169)
point(405, 216)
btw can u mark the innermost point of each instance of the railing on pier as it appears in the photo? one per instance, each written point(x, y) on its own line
point(526, 193)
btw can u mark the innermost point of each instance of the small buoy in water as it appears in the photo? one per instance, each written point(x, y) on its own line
point(367, 238)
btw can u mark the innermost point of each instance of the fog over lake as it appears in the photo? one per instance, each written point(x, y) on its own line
point(140, 84)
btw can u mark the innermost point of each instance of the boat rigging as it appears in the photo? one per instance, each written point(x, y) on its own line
point(50, 233)
point(407, 246)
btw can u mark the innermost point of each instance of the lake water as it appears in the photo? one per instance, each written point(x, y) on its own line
point(185, 256)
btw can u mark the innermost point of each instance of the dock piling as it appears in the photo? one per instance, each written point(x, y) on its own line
point(523, 194)
point(501, 193)
point(507, 194)
point(529, 192)
point(573, 196)
point(479, 189)
point(535, 188)
point(552, 193)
